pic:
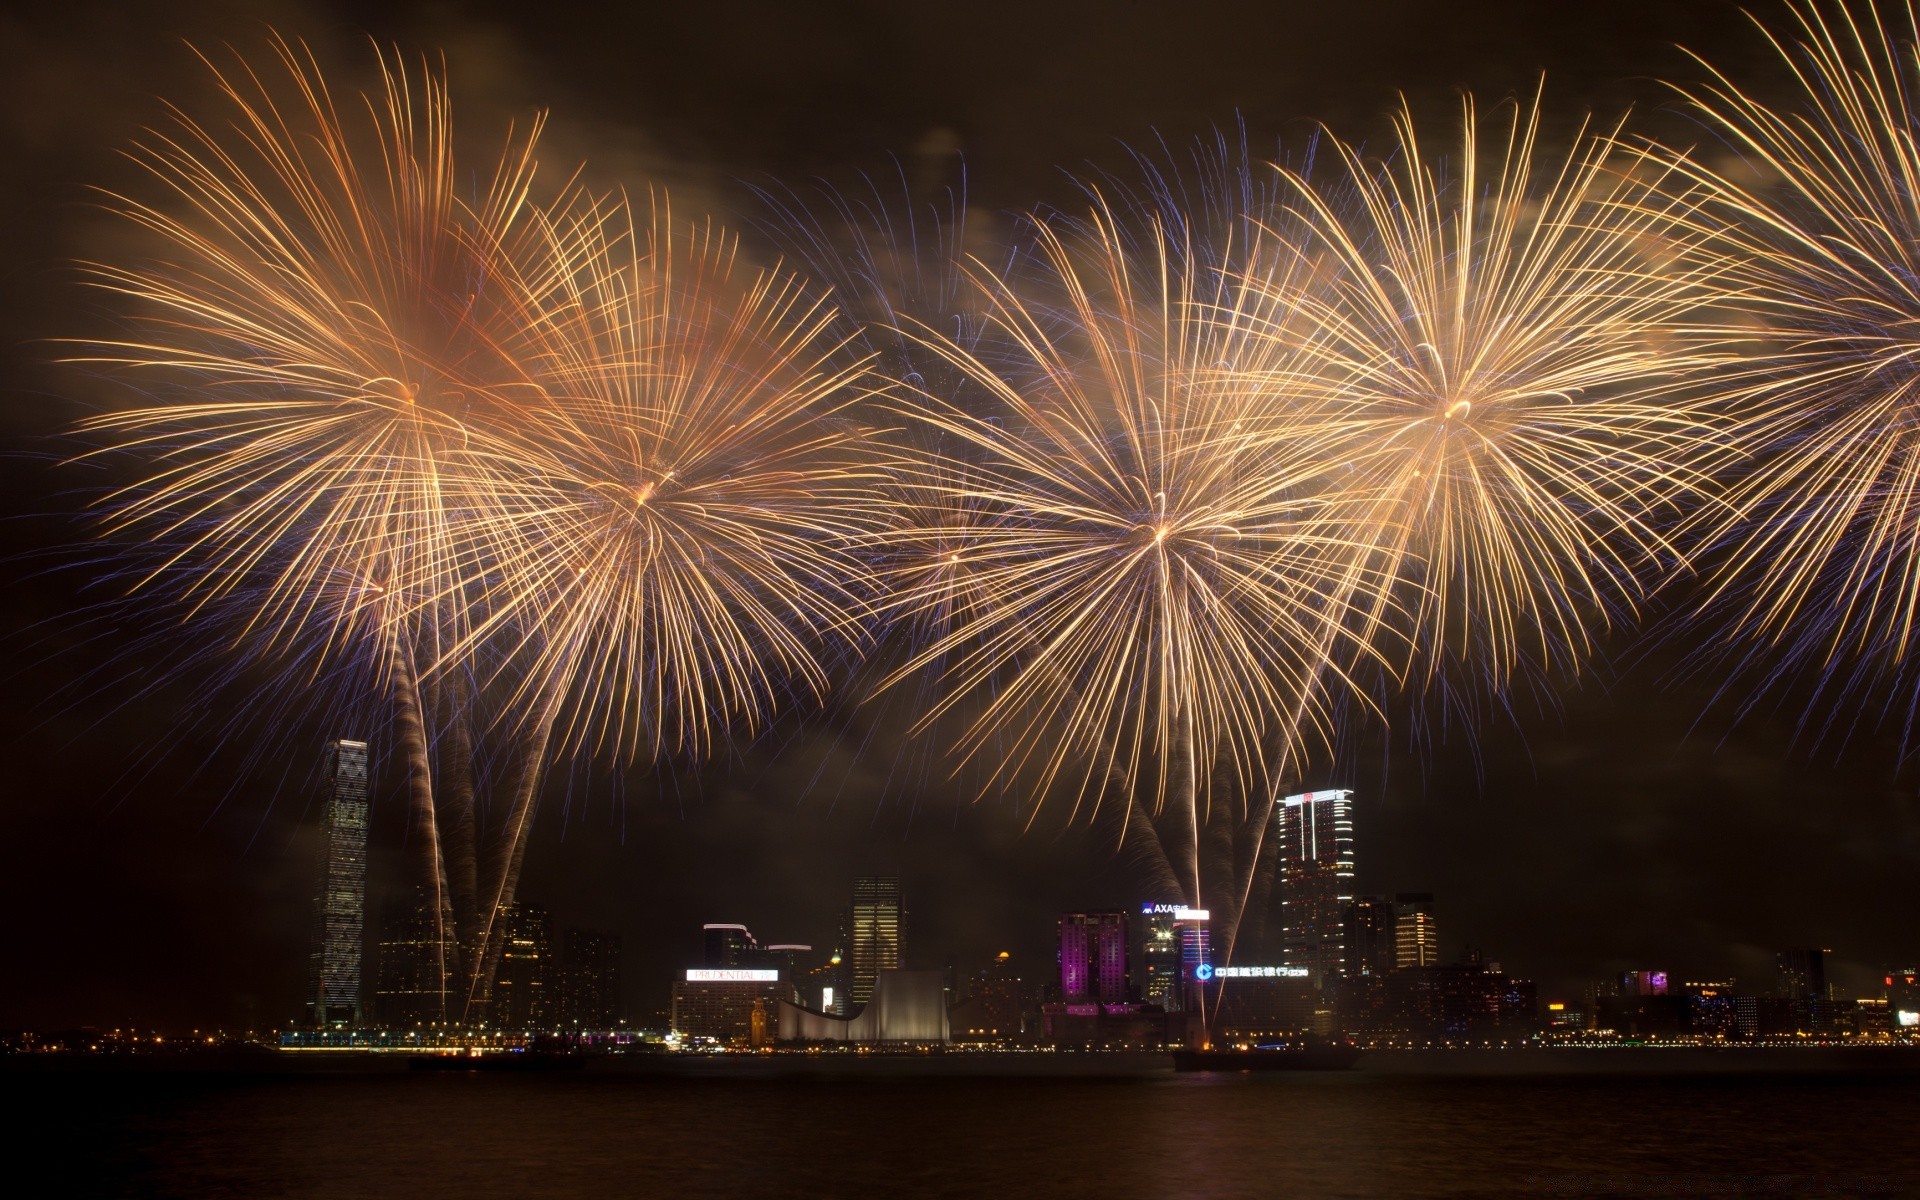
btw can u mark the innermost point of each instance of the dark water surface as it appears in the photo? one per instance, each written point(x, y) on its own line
point(345, 1131)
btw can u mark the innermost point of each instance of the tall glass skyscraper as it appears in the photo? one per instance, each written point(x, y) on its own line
point(874, 930)
point(1316, 880)
point(1173, 947)
point(333, 978)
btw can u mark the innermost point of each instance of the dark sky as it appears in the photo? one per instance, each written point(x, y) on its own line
point(157, 876)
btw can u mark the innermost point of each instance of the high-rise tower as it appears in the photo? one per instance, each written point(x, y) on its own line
point(333, 977)
point(1093, 957)
point(874, 935)
point(523, 990)
point(1173, 947)
point(1416, 943)
point(1370, 931)
point(1316, 879)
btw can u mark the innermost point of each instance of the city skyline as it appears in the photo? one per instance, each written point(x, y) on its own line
point(1614, 786)
point(1238, 598)
point(1342, 957)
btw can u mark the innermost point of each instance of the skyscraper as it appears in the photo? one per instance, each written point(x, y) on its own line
point(1093, 957)
point(1368, 935)
point(590, 980)
point(875, 935)
point(728, 945)
point(1803, 974)
point(1416, 940)
point(1316, 879)
point(523, 989)
point(333, 978)
point(407, 985)
point(1159, 957)
point(1175, 946)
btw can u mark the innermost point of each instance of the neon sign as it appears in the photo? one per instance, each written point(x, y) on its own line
point(731, 975)
point(1178, 912)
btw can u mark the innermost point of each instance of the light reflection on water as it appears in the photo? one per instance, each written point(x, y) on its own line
point(354, 1133)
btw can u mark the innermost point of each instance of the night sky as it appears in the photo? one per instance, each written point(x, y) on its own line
point(157, 873)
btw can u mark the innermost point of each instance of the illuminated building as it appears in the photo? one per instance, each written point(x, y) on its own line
point(994, 1007)
point(407, 981)
point(1093, 957)
point(1803, 974)
point(1174, 948)
point(1803, 980)
point(1160, 957)
point(1465, 999)
point(1196, 946)
point(903, 1006)
point(590, 980)
point(728, 946)
point(783, 957)
point(1416, 940)
point(522, 988)
point(333, 977)
point(1644, 983)
point(826, 987)
point(875, 931)
point(1316, 879)
point(1710, 1008)
point(1368, 937)
point(1260, 1002)
point(720, 1002)
point(1903, 1000)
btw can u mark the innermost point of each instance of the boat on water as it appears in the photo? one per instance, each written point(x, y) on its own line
point(1328, 1056)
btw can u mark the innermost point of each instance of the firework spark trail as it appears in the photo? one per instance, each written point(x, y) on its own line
point(1511, 353)
point(669, 547)
point(318, 293)
point(894, 257)
point(1147, 569)
point(1816, 580)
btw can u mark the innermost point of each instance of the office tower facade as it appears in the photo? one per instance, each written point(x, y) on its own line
point(1093, 958)
point(994, 1008)
point(590, 980)
point(825, 987)
point(1316, 879)
point(727, 945)
point(1416, 939)
point(875, 935)
point(333, 977)
point(1802, 974)
point(523, 988)
point(1645, 983)
point(407, 980)
point(1174, 946)
point(1368, 937)
point(731, 1005)
point(1159, 957)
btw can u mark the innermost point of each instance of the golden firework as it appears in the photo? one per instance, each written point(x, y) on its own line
point(1510, 351)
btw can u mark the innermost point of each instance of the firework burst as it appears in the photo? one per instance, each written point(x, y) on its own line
point(1148, 579)
point(666, 550)
point(320, 315)
point(1816, 569)
point(1505, 347)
